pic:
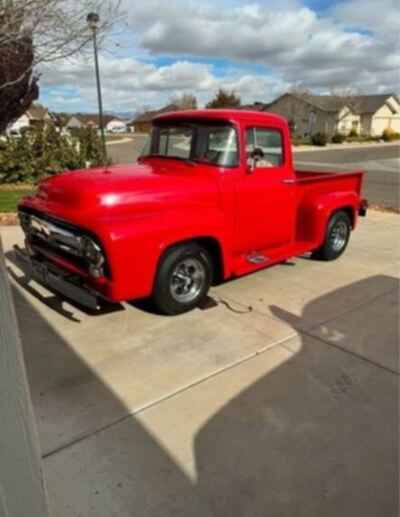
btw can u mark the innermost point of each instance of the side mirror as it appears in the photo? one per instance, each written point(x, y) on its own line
point(251, 164)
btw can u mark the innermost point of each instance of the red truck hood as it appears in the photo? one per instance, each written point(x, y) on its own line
point(123, 190)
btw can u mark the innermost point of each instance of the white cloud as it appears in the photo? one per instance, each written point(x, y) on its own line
point(129, 84)
point(288, 38)
point(354, 43)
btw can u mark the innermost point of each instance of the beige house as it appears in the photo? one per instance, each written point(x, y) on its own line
point(36, 115)
point(366, 114)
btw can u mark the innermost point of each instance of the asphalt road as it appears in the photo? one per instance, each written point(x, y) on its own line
point(381, 164)
point(128, 151)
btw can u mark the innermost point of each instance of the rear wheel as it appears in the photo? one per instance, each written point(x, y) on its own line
point(183, 279)
point(336, 238)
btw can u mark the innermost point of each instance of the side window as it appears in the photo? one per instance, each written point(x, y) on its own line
point(222, 146)
point(267, 144)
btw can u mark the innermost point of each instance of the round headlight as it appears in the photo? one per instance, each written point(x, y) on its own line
point(92, 252)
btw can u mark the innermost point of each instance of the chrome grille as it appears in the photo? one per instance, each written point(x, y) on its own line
point(55, 236)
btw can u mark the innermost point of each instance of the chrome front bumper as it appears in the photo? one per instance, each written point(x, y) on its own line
point(54, 278)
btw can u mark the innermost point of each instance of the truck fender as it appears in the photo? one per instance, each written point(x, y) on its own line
point(316, 210)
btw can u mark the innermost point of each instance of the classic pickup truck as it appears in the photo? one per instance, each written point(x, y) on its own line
point(214, 195)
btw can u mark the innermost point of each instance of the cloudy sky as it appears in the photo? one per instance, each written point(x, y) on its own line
point(257, 48)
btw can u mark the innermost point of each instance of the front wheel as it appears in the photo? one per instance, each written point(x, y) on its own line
point(336, 238)
point(183, 279)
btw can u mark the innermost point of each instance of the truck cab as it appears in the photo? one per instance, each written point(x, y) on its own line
point(213, 195)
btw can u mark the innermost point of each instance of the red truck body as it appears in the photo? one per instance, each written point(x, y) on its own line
point(247, 218)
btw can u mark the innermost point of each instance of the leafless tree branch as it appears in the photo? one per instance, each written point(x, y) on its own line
point(57, 28)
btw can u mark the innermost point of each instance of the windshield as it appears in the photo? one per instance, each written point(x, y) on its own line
point(197, 142)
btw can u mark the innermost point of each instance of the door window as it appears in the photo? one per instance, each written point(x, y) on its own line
point(266, 145)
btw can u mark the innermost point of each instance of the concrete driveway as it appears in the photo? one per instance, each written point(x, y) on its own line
point(279, 398)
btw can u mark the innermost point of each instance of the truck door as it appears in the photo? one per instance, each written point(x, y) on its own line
point(265, 193)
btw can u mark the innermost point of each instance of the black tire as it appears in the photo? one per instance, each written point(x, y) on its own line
point(173, 293)
point(336, 239)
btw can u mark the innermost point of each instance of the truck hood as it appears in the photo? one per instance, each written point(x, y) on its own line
point(124, 190)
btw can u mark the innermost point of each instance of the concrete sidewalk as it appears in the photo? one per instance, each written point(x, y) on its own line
point(344, 146)
point(279, 399)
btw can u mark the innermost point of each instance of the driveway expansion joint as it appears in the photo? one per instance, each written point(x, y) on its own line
point(175, 393)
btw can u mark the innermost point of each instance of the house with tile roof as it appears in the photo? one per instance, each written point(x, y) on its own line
point(80, 120)
point(143, 122)
point(367, 115)
point(36, 115)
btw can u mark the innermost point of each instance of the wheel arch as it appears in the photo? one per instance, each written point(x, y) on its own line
point(349, 210)
point(211, 244)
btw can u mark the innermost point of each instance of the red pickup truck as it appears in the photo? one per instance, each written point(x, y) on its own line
point(214, 195)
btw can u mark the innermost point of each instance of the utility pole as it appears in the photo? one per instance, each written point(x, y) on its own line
point(93, 21)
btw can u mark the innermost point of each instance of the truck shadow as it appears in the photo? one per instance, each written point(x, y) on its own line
point(316, 436)
point(55, 302)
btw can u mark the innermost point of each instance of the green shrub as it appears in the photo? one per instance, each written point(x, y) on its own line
point(319, 139)
point(44, 151)
point(301, 140)
point(389, 135)
point(353, 133)
point(338, 138)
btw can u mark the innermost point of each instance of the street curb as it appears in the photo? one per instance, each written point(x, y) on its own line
point(122, 141)
point(338, 147)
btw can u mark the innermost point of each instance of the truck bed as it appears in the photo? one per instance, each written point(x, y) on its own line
point(324, 182)
point(313, 176)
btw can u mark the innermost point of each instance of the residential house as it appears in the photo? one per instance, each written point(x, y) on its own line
point(366, 114)
point(256, 106)
point(74, 123)
point(144, 121)
point(116, 125)
point(36, 115)
point(80, 120)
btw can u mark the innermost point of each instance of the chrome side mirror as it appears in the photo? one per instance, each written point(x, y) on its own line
point(252, 164)
point(256, 155)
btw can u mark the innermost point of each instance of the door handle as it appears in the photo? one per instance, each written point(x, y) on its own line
point(288, 181)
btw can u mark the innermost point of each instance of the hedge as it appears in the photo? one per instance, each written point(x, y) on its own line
point(44, 151)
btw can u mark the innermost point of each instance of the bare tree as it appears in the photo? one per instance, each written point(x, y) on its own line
point(35, 32)
point(300, 91)
point(349, 98)
point(346, 97)
point(296, 111)
point(185, 101)
point(16, 58)
point(58, 27)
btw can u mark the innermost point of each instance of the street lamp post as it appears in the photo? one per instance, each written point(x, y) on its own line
point(93, 20)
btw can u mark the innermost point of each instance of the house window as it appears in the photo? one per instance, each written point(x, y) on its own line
point(312, 119)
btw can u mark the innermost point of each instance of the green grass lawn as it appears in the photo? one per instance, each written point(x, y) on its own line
point(9, 199)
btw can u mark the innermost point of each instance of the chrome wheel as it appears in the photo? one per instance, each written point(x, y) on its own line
point(187, 280)
point(339, 236)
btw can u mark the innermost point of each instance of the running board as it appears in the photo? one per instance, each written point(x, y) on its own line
point(257, 258)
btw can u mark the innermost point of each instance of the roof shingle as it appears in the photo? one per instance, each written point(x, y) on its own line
point(358, 103)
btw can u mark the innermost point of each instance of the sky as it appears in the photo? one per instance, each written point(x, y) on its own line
point(259, 49)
